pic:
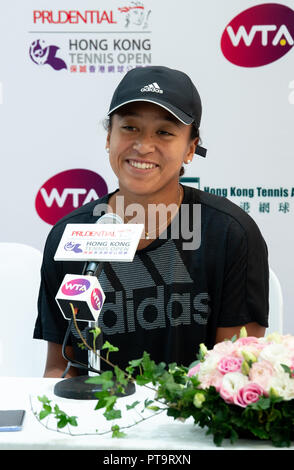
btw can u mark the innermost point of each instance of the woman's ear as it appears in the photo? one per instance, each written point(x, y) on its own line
point(191, 150)
point(107, 141)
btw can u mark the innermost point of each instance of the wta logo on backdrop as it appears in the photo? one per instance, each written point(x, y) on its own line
point(66, 191)
point(259, 35)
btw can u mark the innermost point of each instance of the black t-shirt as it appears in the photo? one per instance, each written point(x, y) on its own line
point(169, 299)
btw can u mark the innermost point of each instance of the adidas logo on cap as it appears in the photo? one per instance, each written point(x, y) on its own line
point(154, 87)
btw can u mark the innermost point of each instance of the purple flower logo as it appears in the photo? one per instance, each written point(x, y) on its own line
point(75, 286)
point(42, 54)
point(96, 299)
point(71, 246)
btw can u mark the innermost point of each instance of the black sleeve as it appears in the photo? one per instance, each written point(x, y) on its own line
point(246, 277)
point(50, 324)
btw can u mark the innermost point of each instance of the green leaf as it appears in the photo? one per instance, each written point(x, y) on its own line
point(130, 407)
point(110, 347)
point(95, 332)
point(142, 380)
point(147, 403)
point(47, 408)
point(102, 398)
point(44, 413)
point(57, 410)
point(112, 414)
point(260, 433)
point(104, 379)
point(234, 436)
point(147, 363)
point(287, 369)
point(120, 376)
point(73, 420)
point(44, 399)
point(218, 439)
point(116, 432)
point(62, 421)
point(110, 402)
point(136, 362)
point(262, 404)
point(194, 380)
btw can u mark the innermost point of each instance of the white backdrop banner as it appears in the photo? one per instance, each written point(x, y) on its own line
point(60, 62)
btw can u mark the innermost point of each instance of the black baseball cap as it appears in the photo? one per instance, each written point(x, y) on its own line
point(171, 89)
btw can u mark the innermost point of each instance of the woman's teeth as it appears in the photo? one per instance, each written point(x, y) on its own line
point(144, 166)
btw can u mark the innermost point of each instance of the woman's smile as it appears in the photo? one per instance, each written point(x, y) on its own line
point(141, 166)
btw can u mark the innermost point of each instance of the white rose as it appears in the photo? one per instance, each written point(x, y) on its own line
point(233, 381)
point(274, 337)
point(282, 385)
point(288, 342)
point(275, 354)
point(209, 365)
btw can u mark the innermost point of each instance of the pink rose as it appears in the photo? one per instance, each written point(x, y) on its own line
point(248, 394)
point(292, 366)
point(225, 348)
point(194, 370)
point(261, 373)
point(229, 364)
point(226, 395)
point(245, 341)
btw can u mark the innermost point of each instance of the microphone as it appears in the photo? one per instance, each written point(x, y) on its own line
point(93, 268)
point(89, 298)
point(84, 292)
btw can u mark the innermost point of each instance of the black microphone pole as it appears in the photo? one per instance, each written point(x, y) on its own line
point(93, 268)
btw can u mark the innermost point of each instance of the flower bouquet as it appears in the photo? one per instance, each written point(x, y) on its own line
point(243, 387)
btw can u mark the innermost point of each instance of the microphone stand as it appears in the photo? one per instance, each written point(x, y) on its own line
point(93, 269)
point(77, 387)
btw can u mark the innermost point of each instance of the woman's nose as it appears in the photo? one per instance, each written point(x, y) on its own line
point(144, 145)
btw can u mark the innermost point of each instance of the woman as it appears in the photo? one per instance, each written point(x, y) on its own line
point(175, 294)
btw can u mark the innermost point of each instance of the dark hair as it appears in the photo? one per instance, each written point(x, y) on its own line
point(107, 123)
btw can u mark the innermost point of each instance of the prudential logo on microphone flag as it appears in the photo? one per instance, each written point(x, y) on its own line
point(259, 35)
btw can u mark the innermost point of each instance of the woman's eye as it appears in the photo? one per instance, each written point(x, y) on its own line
point(164, 133)
point(129, 128)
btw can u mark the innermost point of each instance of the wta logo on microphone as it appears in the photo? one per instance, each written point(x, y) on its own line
point(75, 287)
point(96, 299)
point(82, 294)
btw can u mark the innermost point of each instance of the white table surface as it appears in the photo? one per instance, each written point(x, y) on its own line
point(157, 433)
